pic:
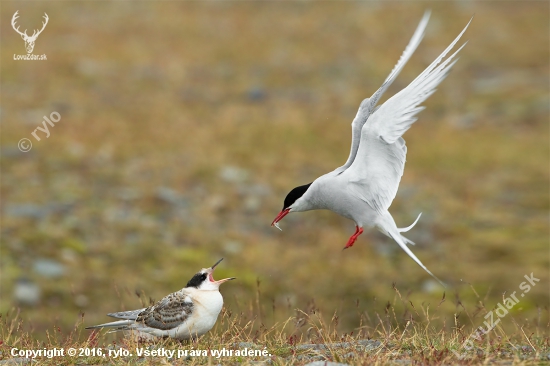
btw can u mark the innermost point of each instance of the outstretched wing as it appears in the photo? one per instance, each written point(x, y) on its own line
point(368, 104)
point(397, 115)
point(375, 176)
point(168, 313)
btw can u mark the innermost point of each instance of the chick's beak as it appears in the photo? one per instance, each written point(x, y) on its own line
point(225, 280)
point(218, 262)
point(210, 272)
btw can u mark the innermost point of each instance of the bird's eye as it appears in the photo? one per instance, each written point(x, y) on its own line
point(203, 276)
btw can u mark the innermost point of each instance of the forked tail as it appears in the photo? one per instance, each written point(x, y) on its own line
point(387, 224)
point(405, 229)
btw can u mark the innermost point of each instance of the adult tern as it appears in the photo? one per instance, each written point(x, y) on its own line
point(364, 187)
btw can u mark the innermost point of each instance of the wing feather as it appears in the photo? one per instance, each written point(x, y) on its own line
point(367, 105)
point(376, 175)
point(130, 315)
point(397, 115)
point(170, 312)
point(409, 50)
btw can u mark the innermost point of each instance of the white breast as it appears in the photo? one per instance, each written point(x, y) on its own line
point(207, 307)
point(331, 192)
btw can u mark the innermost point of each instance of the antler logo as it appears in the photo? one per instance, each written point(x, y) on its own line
point(29, 41)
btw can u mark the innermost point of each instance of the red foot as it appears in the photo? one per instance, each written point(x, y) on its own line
point(353, 238)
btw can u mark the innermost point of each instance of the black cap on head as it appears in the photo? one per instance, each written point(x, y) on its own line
point(197, 280)
point(293, 195)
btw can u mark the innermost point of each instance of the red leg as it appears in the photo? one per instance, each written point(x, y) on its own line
point(353, 238)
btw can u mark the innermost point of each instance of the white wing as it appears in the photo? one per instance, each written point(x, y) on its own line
point(376, 173)
point(397, 115)
point(367, 105)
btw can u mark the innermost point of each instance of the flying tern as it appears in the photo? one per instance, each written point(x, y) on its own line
point(187, 313)
point(364, 187)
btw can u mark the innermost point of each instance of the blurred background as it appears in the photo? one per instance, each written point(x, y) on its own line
point(185, 124)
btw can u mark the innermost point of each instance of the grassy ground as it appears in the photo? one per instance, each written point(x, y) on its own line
point(184, 124)
point(303, 338)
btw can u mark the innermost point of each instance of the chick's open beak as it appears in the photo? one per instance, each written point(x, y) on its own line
point(218, 262)
point(210, 272)
point(225, 280)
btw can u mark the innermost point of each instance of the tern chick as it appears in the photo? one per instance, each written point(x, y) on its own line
point(187, 313)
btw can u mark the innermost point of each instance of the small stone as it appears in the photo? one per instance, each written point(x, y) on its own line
point(310, 358)
point(16, 361)
point(369, 344)
point(340, 345)
point(48, 268)
point(233, 174)
point(256, 94)
point(170, 195)
point(26, 292)
point(13, 152)
point(312, 346)
point(255, 189)
point(114, 347)
point(25, 210)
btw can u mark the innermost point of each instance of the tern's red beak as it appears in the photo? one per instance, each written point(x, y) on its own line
point(280, 216)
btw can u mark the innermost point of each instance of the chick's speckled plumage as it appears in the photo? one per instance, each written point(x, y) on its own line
point(187, 313)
